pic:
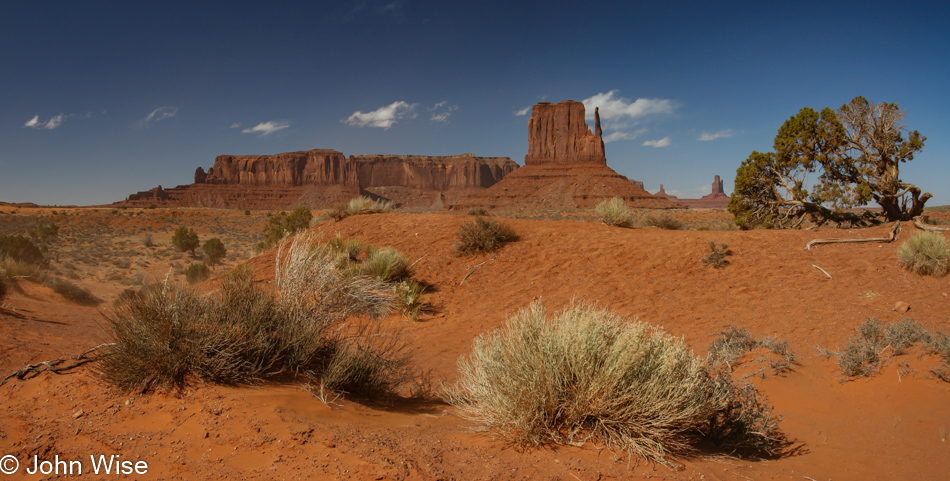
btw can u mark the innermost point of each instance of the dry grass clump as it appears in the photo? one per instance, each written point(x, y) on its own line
point(483, 235)
point(614, 212)
point(409, 294)
point(717, 256)
point(585, 374)
point(926, 253)
point(360, 205)
point(862, 355)
point(72, 292)
point(386, 264)
point(661, 220)
point(479, 211)
point(734, 342)
point(167, 337)
point(197, 273)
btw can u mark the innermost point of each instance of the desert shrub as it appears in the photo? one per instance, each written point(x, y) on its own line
point(371, 364)
point(614, 212)
point(409, 294)
point(197, 272)
point(588, 374)
point(731, 344)
point(247, 212)
point(72, 292)
point(903, 334)
point(661, 220)
point(360, 205)
point(298, 220)
point(185, 239)
point(351, 248)
point(483, 235)
point(168, 336)
point(44, 233)
point(3, 287)
point(386, 264)
point(214, 251)
point(926, 253)
point(283, 225)
point(479, 211)
point(860, 356)
point(717, 256)
point(21, 249)
point(147, 240)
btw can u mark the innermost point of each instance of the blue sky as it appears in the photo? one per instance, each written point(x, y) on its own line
point(99, 100)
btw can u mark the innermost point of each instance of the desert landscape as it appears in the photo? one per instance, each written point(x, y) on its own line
point(832, 355)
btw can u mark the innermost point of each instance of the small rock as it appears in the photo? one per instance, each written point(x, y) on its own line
point(78, 414)
point(901, 306)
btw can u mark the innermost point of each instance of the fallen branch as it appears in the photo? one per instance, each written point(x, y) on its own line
point(54, 365)
point(822, 271)
point(921, 223)
point(890, 238)
point(474, 268)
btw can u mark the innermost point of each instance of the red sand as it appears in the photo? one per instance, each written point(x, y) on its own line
point(886, 427)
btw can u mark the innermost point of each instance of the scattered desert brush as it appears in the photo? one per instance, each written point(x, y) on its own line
point(734, 342)
point(21, 249)
point(717, 256)
point(479, 211)
point(483, 235)
point(661, 220)
point(614, 212)
point(360, 205)
point(197, 273)
point(167, 337)
point(926, 253)
point(585, 374)
point(863, 355)
point(72, 292)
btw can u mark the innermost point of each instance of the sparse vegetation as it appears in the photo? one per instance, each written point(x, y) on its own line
point(214, 251)
point(167, 337)
point(21, 249)
point(588, 374)
point(734, 342)
point(197, 272)
point(386, 264)
point(282, 225)
point(72, 292)
point(483, 235)
point(185, 239)
point(717, 256)
point(614, 212)
point(661, 220)
point(360, 205)
point(44, 232)
point(925, 253)
point(479, 211)
point(862, 355)
point(410, 294)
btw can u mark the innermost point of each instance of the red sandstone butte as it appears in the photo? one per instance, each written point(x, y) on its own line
point(716, 200)
point(566, 167)
point(322, 178)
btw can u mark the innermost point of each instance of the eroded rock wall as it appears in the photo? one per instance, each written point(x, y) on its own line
point(558, 133)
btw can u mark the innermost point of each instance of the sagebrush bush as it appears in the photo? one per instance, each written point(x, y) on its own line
point(734, 342)
point(717, 256)
point(483, 235)
point(360, 205)
point(926, 253)
point(21, 249)
point(614, 212)
point(72, 292)
point(860, 356)
point(662, 220)
point(587, 374)
point(168, 336)
point(197, 273)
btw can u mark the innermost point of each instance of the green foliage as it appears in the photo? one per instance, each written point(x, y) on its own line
point(614, 212)
point(588, 374)
point(926, 253)
point(298, 220)
point(854, 156)
point(185, 239)
point(21, 249)
point(717, 256)
point(214, 251)
point(197, 273)
point(283, 225)
point(483, 235)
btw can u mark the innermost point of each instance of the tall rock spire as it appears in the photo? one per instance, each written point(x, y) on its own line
point(558, 133)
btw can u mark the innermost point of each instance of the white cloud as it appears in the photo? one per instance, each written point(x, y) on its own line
point(664, 142)
point(267, 128)
point(613, 108)
point(613, 136)
point(159, 114)
point(50, 124)
point(717, 135)
point(383, 117)
point(235, 125)
point(442, 110)
point(523, 112)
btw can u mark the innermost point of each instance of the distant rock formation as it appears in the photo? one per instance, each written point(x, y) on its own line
point(565, 167)
point(716, 200)
point(323, 178)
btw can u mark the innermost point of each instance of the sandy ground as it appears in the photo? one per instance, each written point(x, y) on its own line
point(890, 426)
